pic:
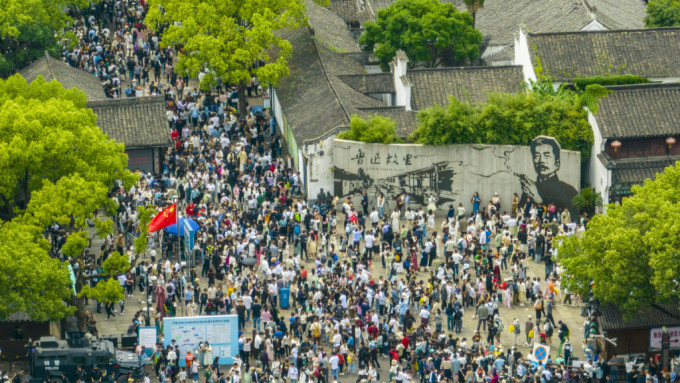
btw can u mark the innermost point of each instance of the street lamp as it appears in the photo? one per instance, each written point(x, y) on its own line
point(616, 144)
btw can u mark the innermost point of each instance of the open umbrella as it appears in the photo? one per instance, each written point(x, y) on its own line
point(257, 108)
point(172, 229)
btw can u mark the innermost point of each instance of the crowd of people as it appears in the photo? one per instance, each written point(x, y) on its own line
point(379, 295)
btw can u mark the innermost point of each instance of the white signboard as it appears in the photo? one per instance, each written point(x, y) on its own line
point(655, 335)
point(147, 337)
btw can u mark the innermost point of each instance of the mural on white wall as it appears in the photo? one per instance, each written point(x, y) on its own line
point(542, 172)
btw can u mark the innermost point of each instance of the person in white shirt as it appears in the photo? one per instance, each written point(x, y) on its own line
point(334, 362)
point(292, 373)
point(374, 217)
point(424, 316)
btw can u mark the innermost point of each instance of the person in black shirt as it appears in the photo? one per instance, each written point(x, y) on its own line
point(256, 309)
point(241, 311)
point(81, 374)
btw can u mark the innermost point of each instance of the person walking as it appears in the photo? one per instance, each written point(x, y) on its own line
point(529, 328)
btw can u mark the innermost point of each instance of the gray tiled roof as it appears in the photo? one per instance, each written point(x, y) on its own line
point(619, 14)
point(651, 53)
point(70, 77)
point(314, 100)
point(374, 83)
point(647, 110)
point(136, 122)
point(352, 11)
point(472, 84)
point(406, 120)
point(330, 29)
point(500, 19)
point(18, 317)
point(637, 170)
point(306, 97)
point(651, 316)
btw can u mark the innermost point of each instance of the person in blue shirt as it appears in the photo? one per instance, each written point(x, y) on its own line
point(498, 364)
point(475, 203)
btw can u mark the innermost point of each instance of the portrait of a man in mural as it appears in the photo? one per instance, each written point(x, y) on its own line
point(547, 188)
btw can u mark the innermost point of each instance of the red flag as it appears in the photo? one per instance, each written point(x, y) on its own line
point(164, 219)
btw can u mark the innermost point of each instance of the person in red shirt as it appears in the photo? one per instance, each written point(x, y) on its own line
point(372, 331)
point(174, 135)
point(190, 209)
point(189, 358)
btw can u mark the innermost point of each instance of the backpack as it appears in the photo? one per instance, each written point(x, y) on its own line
point(341, 359)
point(538, 305)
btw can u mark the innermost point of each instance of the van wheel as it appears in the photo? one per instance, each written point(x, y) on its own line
point(122, 378)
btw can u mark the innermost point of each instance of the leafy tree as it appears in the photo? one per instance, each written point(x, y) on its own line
point(473, 7)
point(377, 129)
point(631, 252)
point(581, 83)
point(47, 133)
point(29, 27)
point(33, 281)
point(426, 30)
point(587, 201)
point(70, 202)
point(513, 119)
point(443, 126)
point(662, 13)
point(57, 168)
point(228, 38)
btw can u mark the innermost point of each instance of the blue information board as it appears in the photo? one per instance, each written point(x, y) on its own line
point(221, 331)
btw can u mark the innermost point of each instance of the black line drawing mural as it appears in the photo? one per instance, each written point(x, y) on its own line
point(436, 179)
point(453, 173)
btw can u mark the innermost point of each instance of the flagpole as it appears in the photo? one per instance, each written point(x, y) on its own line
point(179, 254)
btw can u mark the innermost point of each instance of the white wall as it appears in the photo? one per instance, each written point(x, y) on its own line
point(594, 25)
point(319, 166)
point(598, 175)
point(522, 56)
point(453, 172)
point(665, 79)
point(402, 86)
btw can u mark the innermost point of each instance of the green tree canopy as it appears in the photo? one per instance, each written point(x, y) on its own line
point(29, 27)
point(631, 252)
point(512, 119)
point(426, 30)
point(47, 133)
point(377, 129)
point(57, 167)
point(32, 281)
point(228, 38)
point(662, 13)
